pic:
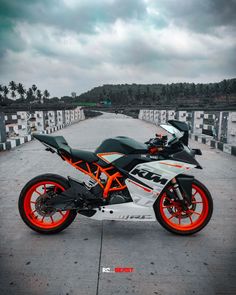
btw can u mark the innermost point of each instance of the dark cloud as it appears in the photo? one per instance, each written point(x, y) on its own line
point(66, 45)
point(200, 16)
point(80, 16)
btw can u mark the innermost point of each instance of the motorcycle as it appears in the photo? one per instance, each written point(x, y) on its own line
point(123, 180)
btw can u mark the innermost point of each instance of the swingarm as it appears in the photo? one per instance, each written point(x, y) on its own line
point(77, 196)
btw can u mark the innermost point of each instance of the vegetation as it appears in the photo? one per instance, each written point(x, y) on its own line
point(16, 93)
point(91, 113)
point(164, 94)
point(161, 95)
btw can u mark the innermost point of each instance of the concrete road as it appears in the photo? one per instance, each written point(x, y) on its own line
point(71, 262)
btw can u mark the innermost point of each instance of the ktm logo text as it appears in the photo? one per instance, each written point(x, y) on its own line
point(149, 175)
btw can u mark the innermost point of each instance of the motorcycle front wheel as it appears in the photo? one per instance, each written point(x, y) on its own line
point(174, 218)
point(31, 198)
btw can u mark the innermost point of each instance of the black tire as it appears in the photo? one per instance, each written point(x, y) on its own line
point(171, 229)
point(45, 177)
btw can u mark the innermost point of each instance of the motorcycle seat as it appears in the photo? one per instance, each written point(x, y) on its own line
point(59, 143)
point(83, 155)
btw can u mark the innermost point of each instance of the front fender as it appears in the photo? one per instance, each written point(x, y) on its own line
point(185, 183)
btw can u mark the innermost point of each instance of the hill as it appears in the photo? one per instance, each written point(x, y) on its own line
point(181, 94)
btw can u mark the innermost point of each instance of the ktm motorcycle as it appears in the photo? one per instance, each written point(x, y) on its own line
point(123, 180)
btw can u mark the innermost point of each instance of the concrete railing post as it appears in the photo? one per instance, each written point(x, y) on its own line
point(3, 135)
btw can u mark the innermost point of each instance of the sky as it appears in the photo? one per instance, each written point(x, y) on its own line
point(74, 45)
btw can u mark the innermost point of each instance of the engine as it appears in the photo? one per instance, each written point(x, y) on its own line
point(117, 197)
point(120, 197)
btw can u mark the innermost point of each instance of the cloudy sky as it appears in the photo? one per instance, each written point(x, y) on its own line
point(74, 45)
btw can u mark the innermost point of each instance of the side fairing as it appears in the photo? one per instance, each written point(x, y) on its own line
point(155, 175)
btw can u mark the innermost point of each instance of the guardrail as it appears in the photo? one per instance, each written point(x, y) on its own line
point(17, 128)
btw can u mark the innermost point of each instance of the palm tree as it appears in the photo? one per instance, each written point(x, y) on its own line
point(29, 94)
point(46, 94)
point(1, 96)
point(21, 90)
point(13, 95)
point(39, 95)
point(13, 86)
point(34, 88)
point(5, 91)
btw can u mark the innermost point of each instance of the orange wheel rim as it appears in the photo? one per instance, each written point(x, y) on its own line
point(44, 221)
point(190, 219)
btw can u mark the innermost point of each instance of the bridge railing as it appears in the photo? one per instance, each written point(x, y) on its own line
point(17, 128)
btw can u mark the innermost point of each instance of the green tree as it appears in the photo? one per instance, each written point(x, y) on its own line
point(34, 88)
point(5, 91)
point(130, 95)
point(1, 90)
point(21, 90)
point(200, 89)
point(13, 86)
point(39, 95)
point(163, 91)
point(46, 94)
point(216, 88)
point(1, 96)
point(13, 94)
point(181, 89)
point(193, 89)
point(29, 94)
point(186, 90)
point(207, 90)
point(139, 97)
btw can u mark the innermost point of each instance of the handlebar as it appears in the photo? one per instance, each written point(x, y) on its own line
point(160, 144)
point(158, 141)
point(156, 144)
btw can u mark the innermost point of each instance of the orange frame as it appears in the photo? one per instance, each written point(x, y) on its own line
point(113, 182)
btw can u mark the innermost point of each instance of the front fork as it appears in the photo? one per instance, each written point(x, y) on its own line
point(181, 196)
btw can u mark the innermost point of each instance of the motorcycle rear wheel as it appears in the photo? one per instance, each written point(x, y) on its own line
point(173, 218)
point(31, 196)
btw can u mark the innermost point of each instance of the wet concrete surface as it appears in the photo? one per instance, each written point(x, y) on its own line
point(71, 262)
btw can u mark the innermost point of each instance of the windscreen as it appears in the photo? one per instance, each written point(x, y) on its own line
point(172, 130)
